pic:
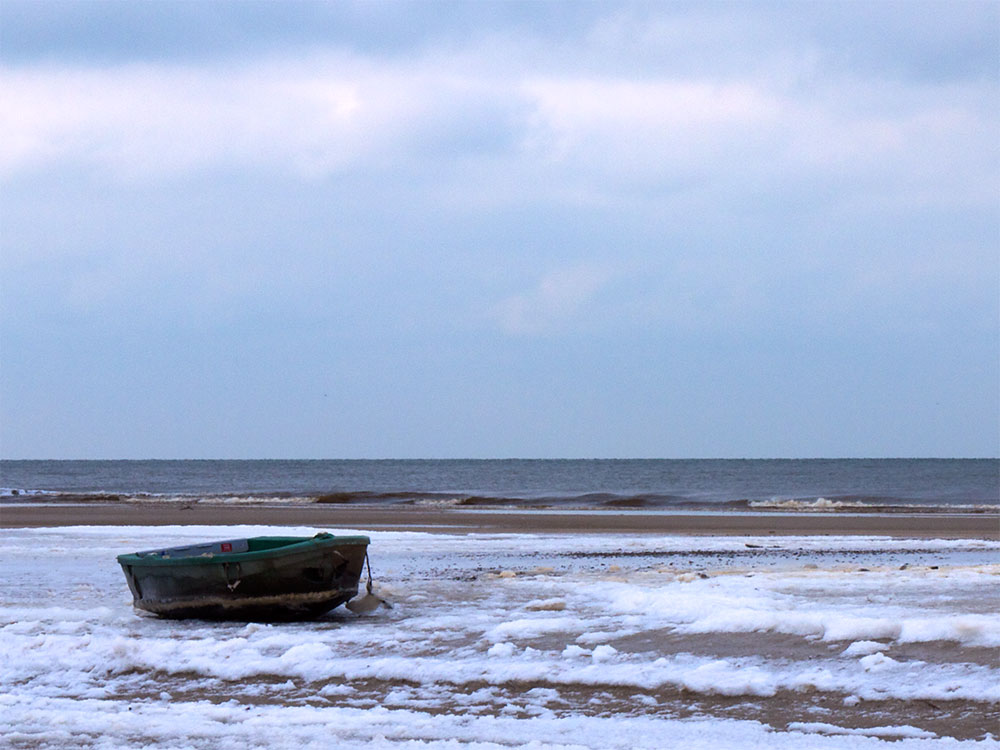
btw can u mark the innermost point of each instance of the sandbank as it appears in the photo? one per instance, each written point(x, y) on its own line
point(402, 518)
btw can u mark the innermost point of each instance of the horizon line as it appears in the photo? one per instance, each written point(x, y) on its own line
point(546, 458)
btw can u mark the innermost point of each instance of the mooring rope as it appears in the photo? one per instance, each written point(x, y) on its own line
point(369, 566)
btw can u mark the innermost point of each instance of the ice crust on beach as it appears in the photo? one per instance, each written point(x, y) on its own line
point(494, 637)
point(821, 728)
point(230, 726)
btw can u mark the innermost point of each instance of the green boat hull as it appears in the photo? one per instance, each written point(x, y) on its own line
point(255, 579)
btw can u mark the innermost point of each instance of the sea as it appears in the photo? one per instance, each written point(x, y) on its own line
point(873, 485)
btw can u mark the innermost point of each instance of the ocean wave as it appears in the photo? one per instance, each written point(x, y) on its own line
point(471, 500)
point(46, 496)
point(879, 505)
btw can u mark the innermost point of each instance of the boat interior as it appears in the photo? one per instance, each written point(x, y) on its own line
point(227, 547)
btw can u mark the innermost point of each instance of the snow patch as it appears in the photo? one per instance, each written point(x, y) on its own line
point(891, 732)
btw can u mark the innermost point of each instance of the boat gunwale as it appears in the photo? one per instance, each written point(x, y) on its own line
point(147, 558)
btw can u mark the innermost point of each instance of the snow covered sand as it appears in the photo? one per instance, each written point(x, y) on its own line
point(519, 640)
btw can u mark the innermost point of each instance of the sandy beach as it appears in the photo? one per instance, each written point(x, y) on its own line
point(399, 518)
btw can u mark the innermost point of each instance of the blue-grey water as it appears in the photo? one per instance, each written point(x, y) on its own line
point(640, 483)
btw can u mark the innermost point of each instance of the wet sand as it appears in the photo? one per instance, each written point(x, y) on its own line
point(402, 518)
point(958, 719)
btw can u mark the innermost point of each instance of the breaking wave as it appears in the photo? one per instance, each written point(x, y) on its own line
point(460, 500)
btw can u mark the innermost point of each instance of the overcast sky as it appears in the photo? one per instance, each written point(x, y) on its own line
point(544, 229)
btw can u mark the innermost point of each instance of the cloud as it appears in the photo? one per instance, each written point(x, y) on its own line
point(744, 131)
point(724, 182)
point(311, 116)
point(147, 121)
point(458, 116)
point(653, 124)
point(557, 299)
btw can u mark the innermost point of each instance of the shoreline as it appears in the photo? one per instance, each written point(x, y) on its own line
point(451, 520)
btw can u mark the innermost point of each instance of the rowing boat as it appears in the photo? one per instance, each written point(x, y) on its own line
point(263, 578)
